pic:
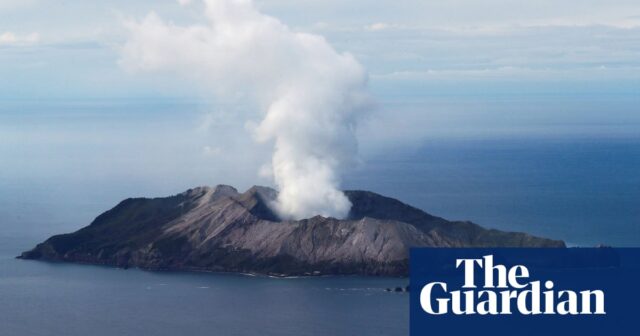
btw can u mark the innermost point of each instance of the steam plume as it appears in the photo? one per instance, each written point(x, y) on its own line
point(311, 95)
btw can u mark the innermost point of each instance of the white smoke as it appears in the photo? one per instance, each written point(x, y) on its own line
point(311, 95)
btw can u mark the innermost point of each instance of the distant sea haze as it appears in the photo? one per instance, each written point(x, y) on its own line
point(65, 162)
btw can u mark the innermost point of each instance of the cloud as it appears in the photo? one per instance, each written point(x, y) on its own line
point(10, 38)
point(211, 151)
point(378, 26)
point(310, 96)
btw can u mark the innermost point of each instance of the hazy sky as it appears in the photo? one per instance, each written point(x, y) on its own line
point(455, 68)
point(439, 68)
point(410, 48)
point(454, 52)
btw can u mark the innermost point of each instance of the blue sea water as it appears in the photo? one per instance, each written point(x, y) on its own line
point(38, 298)
point(63, 166)
point(585, 191)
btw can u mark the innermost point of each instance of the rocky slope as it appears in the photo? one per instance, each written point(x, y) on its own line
point(220, 229)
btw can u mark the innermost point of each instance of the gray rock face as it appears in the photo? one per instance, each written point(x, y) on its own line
point(220, 229)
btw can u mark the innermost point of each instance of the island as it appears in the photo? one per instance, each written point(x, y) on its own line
point(219, 229)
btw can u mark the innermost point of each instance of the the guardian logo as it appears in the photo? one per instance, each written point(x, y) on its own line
point(505, 291)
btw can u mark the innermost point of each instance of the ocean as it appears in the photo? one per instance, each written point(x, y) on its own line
point(62, 166)
point(584, 191)
point(39, 298)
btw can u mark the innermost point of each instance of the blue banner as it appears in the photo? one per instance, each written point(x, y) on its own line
point(503, 291)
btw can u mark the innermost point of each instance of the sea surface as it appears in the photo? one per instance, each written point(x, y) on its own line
point(63, 164)
point(39, 298)
point(583, 190)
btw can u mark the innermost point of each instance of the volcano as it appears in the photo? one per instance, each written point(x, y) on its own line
point(220, 229)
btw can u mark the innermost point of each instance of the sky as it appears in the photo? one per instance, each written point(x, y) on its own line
point(410, 48)
point(461, 69)
point(441, 54)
